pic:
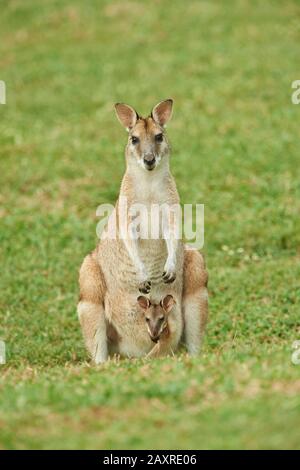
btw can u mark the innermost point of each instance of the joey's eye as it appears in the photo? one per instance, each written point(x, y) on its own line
point(161, 318)
point(159, 138)
point(147, 319)
point(135, 140)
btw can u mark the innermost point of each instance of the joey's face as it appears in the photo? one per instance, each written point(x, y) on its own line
point(147, 144)
point(156, 315)
point(156, 321)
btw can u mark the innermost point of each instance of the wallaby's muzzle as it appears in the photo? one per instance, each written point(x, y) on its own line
point(154, 338)
point(149, 161)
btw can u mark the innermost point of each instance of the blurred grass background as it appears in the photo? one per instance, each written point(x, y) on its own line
point(235, 136)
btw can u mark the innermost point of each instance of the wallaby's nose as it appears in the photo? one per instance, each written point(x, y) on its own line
point(149, 161)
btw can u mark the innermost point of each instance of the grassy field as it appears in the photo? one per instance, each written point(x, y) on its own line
point(235, 134)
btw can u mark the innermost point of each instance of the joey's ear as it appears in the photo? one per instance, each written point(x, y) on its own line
point(143, 302)
point(162, 112)
point(126, 115)
point(167, 303)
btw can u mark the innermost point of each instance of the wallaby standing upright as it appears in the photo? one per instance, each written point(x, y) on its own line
point(112, 274)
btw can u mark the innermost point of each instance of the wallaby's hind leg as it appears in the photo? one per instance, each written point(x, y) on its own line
point(194, 300)
point(91, 309)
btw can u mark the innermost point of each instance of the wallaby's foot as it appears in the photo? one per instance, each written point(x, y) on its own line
point(100, 354)
point(145, 287)
point(193, 349)
point(100, 358)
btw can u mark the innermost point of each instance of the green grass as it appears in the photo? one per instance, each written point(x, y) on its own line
point(235, 135)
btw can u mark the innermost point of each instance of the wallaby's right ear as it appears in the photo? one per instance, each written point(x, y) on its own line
point(162, 112)
point(126, 115)
point(143, 302)
point(167, 303)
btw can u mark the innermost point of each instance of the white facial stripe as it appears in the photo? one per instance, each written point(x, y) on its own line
point(141, 162)
point(158, 159)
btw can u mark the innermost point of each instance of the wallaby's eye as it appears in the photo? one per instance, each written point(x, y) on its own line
point(135, 140)
point(159, 138)
point(147, 319)
point(161, 318)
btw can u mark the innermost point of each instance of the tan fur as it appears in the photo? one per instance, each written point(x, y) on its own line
point(195, 299)
point(91, 280)
point(195, 274)
point(111, 277)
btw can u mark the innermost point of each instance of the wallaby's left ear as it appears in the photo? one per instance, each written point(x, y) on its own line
point(168, 302)
point(162, 112)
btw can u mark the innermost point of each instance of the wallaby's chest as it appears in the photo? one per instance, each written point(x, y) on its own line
point(155, 191)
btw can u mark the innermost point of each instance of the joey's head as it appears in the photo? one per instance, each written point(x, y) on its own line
point(156, 315)
point(147, 141)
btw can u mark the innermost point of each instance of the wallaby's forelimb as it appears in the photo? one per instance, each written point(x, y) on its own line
point(169, 226)
point(131, 244)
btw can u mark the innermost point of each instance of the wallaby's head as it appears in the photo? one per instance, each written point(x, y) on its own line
point(156, 315)
point(147, 141)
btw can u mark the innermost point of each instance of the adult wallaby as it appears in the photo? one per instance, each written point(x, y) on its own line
point(118, 268)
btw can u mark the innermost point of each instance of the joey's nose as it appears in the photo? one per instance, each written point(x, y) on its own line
point(154, 338)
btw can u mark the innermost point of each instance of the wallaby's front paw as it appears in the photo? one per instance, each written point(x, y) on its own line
point(145, 287)
point(169, 276)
